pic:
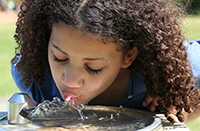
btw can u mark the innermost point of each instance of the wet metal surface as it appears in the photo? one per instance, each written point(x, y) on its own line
point(64, 114)
point(100, 117)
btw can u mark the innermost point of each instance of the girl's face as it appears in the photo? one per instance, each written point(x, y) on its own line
point(81, 64)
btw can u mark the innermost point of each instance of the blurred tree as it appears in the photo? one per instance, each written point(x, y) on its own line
point(195, 7)
point(185, 4)
point(191, 6)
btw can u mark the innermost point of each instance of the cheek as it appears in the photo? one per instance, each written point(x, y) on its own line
point(104, 81)
point(97, 85)
point(111, 76)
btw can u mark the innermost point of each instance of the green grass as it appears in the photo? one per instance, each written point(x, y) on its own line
point(192, 27)
point(194, 125)
point(7, 46)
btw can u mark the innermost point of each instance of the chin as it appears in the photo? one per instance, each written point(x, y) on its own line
point(82, 101)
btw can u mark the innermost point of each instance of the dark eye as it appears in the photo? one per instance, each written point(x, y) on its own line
point(60, 60)
point(93, 71)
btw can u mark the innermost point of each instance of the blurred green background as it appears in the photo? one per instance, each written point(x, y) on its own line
point(7, 46)
point(191, 28)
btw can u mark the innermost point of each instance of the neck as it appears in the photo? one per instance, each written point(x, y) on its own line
point(118, 90)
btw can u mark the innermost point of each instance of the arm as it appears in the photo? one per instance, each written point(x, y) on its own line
point(17, 77)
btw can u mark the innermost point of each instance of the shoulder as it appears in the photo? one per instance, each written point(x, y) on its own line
point(14, 71)
point(17, 75)
point(16, 59)
point(38, 92)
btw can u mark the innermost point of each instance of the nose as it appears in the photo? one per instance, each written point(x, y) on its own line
point(72, 78)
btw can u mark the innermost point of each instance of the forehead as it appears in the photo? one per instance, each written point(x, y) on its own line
point(73, 40)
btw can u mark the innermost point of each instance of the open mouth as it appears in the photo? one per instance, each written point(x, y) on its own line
point(69, 95)
point(71, 99)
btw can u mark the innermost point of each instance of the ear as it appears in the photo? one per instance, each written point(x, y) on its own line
point(129, 57)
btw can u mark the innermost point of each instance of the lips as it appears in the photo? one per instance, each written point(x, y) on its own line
point(71, 93)
point(70, 96)
point(71, 99)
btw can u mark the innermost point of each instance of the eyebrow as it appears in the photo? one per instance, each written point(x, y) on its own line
point(59, 49)
point(100, 58)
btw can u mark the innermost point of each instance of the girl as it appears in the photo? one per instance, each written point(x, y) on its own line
point(105, 52)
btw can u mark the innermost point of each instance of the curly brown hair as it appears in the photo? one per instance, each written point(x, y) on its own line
point(153, 26)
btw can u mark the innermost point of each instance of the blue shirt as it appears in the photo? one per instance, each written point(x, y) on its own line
point(136, 92)
point(193, 50)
